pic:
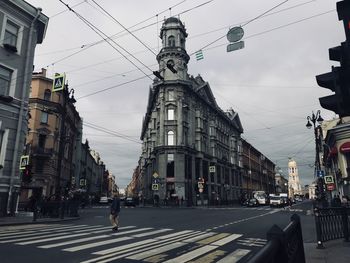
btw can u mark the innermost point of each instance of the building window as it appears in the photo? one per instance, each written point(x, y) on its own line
point(5, 80)
point(44, 117)
point(171, 41)
point(170, 114)
point(42, 141)
point(171, 138)
point(171, 95)
point(47, 94)
point(11, 34)
point(170, 170)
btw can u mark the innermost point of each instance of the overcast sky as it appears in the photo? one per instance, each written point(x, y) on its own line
point(270, 83)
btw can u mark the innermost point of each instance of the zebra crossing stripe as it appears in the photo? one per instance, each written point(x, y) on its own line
point(152, 232)
point(74, 241)
point(39, 236)
point(147, 241)
point(235, 256)
point(96, 244)
point(51, 239)
point(155, 244)
point(156, 251)
point(202, 250)
point(101, 243)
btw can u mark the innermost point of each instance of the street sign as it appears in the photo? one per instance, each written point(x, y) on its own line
point(24, 162)
point(235, 46)
point(235, 34)
point(82, 182)
point(155, 187)
point(155, 175)
point(58, 82)
point(211, 169)
point(320, 173)
point(330, 187)
point(328, 179)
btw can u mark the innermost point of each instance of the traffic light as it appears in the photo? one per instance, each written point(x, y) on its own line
point(338, 80)
point(27, 174)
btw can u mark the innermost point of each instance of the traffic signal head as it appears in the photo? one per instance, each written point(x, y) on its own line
point(27, 174)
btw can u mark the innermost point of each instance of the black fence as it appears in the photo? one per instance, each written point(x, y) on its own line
point(332, 223)
point(283, 245)
point(51, 209)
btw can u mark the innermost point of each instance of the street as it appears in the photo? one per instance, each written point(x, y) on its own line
point(214, 234)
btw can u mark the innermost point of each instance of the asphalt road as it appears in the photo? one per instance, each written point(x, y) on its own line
point(150, 234)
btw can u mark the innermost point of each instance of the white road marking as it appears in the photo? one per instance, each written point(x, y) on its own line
point(96, 244)
point(74, 241)
point(235, 256)
point(152, 233)
point(51, 239)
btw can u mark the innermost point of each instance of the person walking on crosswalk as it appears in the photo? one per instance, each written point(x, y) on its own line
point(115, 210)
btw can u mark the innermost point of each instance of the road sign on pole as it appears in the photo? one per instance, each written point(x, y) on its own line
point(155, 187)
point(329, 179)
point(24, 162)
point(58, 82)
point(235, 46)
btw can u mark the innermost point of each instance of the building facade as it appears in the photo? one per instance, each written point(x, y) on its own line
point(52, 139)
point(258, 171)
point(281, 182)
point(190, 146)
point(293, 178)
point(336, 157)
point(22, 27)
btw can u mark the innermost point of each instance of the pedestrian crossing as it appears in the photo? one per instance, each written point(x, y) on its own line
point(98, 243)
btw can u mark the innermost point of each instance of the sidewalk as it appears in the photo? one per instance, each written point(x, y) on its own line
point(27, 218)
point(335, 251)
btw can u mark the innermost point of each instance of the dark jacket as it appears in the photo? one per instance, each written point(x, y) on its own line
point(115, 206)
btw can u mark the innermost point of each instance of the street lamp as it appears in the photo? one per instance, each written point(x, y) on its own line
point(316, 121)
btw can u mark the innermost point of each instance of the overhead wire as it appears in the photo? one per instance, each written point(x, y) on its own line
point(255, 18)
point(105, 37)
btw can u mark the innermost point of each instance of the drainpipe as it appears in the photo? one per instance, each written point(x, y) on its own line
point(27, 72)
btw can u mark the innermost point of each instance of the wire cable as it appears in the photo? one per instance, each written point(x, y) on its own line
point(105, 37)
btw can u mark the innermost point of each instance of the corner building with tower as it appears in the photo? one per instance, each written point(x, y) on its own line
point(191, 148)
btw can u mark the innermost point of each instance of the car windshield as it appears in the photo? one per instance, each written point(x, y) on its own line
point(275, 198)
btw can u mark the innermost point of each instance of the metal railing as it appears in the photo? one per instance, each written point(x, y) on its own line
point(283, 245)
point(331, 223)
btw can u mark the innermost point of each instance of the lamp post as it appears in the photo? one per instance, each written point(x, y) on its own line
point(316, 121)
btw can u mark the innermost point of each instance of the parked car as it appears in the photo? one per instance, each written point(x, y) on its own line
point(103, 200)
point(129, 202)
point(252, 202)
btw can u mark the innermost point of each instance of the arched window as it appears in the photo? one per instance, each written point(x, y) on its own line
point(47, 95)
point(171, 41)
point(170, 138)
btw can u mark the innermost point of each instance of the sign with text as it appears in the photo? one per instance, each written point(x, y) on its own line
point(211, 169)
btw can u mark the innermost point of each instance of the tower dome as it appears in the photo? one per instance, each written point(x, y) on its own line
point(173, 58)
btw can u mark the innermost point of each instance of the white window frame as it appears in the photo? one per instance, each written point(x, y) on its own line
point(13, 81)
point(171, 138)
point(19, 35)
point(44, 120)
point(171, 114)
point(9, 79)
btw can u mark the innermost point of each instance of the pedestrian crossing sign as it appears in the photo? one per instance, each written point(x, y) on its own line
point(58, 82)
point(155, 187)
point(24, 162)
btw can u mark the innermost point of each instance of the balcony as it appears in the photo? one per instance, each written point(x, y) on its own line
point(42, 152)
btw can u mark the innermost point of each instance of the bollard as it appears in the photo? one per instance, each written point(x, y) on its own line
point(318, 229)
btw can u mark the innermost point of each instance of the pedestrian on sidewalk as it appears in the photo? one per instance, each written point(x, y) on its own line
point(115, 210)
